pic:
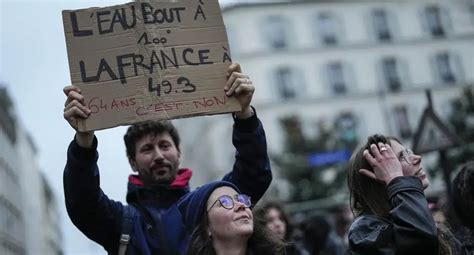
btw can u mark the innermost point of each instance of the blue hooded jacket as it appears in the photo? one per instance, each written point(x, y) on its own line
point(157, 226)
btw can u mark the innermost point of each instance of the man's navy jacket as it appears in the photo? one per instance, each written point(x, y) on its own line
point(156, 226)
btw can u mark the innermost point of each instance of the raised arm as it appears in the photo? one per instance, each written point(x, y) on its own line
point(251, 171)
point(409, 227)
point(413, 225)
point(88, 207)
point(74, 109)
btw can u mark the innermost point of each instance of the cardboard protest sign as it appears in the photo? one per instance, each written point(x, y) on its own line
point(149, 60)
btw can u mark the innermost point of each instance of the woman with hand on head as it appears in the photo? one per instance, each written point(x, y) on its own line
point(221, 221)
point(386, 183)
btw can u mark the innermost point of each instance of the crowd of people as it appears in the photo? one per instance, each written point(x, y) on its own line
point(388, 212)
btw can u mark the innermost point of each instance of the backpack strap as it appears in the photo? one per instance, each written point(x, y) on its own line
point(127, 226)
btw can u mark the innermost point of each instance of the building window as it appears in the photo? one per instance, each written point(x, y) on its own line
point(10, 216)
point(381, 25)
point(327, 25)
point(433, 18)
point(391, 74)
point(276, 32)
point(402, 122)
point(346, 126)
point(471, 13)
point(336, 78)
point(285, 81)
point(444, 68)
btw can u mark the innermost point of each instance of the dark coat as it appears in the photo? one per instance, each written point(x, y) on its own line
point(157, 224)
point(410, 229)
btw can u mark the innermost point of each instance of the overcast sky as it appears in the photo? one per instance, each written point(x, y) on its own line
point(34, 68)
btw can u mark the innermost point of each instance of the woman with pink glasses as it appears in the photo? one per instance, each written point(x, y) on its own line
point(221, 221)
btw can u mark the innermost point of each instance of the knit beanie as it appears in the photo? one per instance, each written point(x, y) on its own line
point(193, 204)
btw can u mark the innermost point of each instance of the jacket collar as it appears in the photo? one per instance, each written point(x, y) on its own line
point(162, 195)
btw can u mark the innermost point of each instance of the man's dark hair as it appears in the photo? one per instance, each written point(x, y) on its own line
point(137, 131)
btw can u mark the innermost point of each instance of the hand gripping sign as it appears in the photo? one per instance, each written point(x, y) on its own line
point(149, 60)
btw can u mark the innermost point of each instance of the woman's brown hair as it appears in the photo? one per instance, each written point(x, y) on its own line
point(262, 211)
point(368, 195)
point(260, 242)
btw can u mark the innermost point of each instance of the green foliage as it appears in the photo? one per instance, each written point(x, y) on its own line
point(462, 121)
point(309, 182)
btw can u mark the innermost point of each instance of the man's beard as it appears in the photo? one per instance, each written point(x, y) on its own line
point(152, 179)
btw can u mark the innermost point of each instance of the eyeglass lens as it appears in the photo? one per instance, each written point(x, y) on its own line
point(244, 199)
point(407, 155)
point(228, 203)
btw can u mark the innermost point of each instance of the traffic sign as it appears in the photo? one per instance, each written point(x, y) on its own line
point(432, 134)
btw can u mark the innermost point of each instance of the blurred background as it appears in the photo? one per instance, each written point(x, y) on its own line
point(327, 75)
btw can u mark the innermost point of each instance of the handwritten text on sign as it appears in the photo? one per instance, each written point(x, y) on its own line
point(149, 60)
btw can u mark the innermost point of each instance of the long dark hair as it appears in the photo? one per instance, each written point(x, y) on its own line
point(368, 195)
point(262, 211)
point(260, 242)
point(463, 194)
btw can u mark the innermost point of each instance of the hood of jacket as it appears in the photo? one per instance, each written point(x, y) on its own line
point(162, 195)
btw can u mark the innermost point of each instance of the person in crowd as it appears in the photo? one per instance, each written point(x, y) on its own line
point(386, 183)
point(462, 220)
point(151, 222)
point(319, 237)
point(277, 220)
point(220, 221)
point(436, 208)
point(342, 220)
point(299, 220)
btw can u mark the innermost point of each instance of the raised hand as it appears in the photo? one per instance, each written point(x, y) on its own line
point(74, 109)
point(384, 162)
point(240, 85)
